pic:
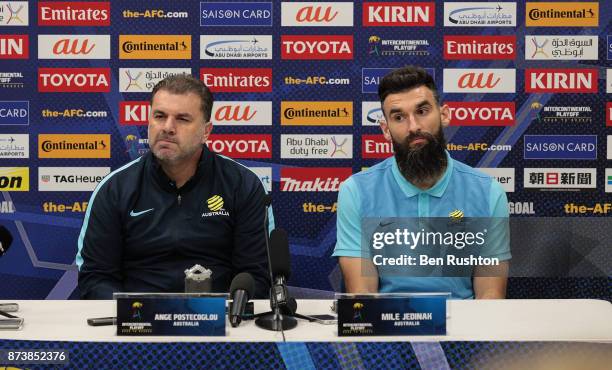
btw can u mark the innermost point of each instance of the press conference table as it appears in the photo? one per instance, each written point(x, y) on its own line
point(576, 320)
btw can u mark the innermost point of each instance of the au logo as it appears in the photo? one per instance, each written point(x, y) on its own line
point(456, 215)
point(215, 203)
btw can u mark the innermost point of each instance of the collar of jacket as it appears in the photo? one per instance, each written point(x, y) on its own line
point(157, 172)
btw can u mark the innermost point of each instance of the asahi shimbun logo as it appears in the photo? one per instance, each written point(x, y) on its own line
point(154, 46)
point(560, 178)
point(237, 79)
point(316, 179)
point(14, 146)
point(241, 145)
point(14, 13)
point(560, 80)
point(317, 14)
point(481, 113)
point(479, 47)
point(322, 47)
point(375, 146)
point(90, 80)
point(11, 80)
point(479, 14)
point(139, 80)
point(562, 14)
point(74, 46)
point(316, 113)
point(222, 47)
point(14, 47)
point(371, 113)
point(317, 146)
point(73, 13)
point(378, 46)
point(481, 80)
point(554, 47)
point(560, 113)
point(399, 14)
point(504, 176)
point(242, 113)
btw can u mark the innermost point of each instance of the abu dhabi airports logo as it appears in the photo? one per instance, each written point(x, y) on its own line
point(14, 146)
point(14, 13)
point(479, 14)
point(221, 47)
point(378, 46)
point(138, 80)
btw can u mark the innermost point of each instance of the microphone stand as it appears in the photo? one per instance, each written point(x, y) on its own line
point(277, 323)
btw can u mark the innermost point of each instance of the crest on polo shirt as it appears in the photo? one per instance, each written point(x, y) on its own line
point(215, 206)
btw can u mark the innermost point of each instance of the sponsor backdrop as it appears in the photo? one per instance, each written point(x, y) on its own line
point(528, 84)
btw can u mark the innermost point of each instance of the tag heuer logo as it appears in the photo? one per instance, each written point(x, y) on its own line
point(215, 203)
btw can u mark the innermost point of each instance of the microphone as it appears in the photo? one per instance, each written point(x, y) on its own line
point(241, 290)
point(5, 240)
point(280, 267)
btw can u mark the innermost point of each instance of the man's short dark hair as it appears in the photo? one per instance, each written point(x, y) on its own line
point(181, 84)
point(404, 79)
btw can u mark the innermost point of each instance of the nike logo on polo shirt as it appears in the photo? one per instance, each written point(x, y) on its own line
point(135, 214)
point(383, 224)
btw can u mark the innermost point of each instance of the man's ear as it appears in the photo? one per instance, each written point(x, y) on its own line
point(208, 126)
point(444, 115)
point(384, 127)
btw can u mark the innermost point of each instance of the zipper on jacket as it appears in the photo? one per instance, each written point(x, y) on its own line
point(178, 198)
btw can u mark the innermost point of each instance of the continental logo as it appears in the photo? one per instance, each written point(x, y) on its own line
point(215, 203)
point(562, 14)
point(14, 178)
point(154, 46)
point(74, 146)
point(316, 113)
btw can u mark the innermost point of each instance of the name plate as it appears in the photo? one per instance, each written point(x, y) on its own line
point(170, 314)
point(392, 315)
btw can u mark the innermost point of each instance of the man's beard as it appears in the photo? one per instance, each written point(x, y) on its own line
point(423, 163)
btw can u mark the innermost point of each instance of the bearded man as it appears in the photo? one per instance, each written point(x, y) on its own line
point(421, 180)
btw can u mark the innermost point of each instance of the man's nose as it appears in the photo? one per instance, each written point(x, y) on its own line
point(169, 125)
point(414, 125)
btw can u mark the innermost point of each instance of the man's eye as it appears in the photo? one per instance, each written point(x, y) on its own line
point(398, 117)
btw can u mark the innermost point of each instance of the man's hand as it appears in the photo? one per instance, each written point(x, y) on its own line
point(490, 281)
point(360, 275)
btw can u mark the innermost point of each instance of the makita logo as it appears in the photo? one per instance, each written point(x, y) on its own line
point(134, 112)
point(74, 79)
point(73, 13)
point(479, 47)
point(481, 113)
point(242, 146)
point(73, 46)
point(14, 47)
point(375, 146)
point(561, 80)
point(237, 79)
point(234, 113)
point(479, 80)
point(316, 47)
point(399, 14)
point(323, 14)
point(313, 179)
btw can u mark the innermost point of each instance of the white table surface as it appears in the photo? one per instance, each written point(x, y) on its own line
point(470, 320)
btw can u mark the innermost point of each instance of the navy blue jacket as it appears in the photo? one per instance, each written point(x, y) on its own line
point(140, 232)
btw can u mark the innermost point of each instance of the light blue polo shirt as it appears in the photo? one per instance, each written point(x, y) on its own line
point(382, 191)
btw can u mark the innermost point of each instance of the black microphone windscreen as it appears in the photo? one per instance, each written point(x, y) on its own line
point(243, 281)
point(279, 253)
point(5, 239)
